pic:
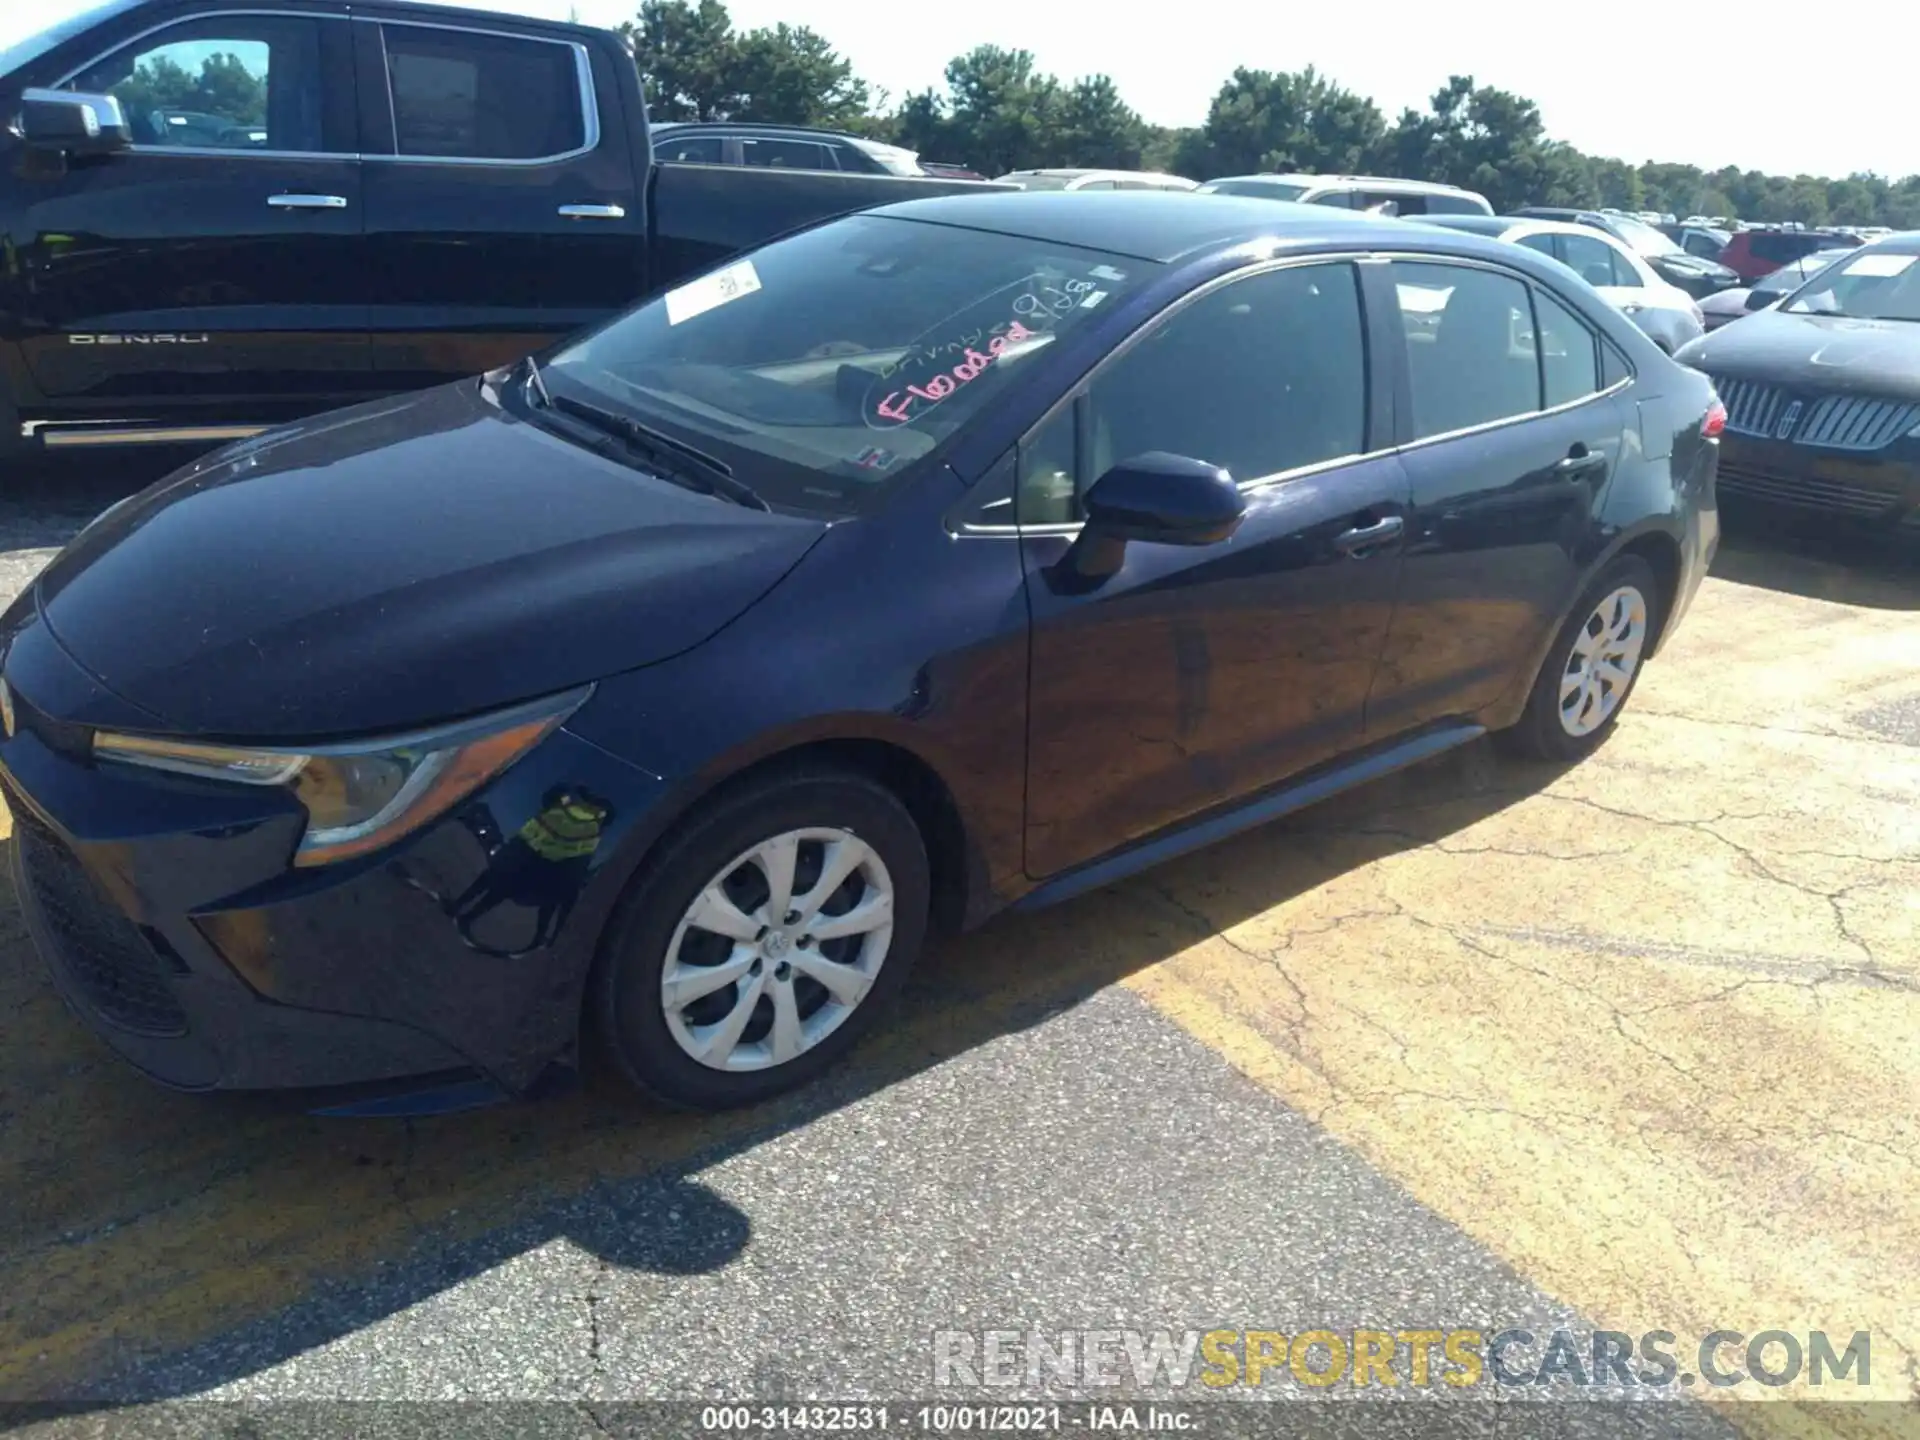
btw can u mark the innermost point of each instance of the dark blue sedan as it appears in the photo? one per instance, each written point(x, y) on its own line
point(965, 554)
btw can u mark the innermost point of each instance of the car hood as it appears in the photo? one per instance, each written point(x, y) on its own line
point(1819, 352)
point(397, 564)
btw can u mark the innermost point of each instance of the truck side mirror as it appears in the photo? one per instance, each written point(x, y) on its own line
point(73, 122)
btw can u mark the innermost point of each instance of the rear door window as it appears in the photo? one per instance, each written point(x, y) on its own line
point(782, 154)
point(1470, 347)
point(1589, 258)
point(464, 95)
point(693, 150)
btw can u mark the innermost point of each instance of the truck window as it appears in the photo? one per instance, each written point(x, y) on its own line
point(694, 150)
point(226, 82)
point(787, 154)
point(462, 95)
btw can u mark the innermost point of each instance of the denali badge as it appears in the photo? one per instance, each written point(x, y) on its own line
point(1789, 418)
point(136, 339)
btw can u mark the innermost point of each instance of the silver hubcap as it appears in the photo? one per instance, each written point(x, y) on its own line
point(1600, 666)
point(778, 949)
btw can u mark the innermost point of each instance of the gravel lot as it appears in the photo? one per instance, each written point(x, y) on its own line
point(1483, 1045)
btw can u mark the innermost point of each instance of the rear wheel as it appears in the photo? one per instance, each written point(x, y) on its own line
point(1592, 667)
point(764, 939)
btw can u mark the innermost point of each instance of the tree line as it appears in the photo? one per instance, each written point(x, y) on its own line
point(998, 112)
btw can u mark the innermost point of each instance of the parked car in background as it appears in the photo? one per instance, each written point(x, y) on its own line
point(1700, 241)
point(1754, 254)
point(1666, 313)
point(1730, 305)
point(682, 602)
point(1071, 179)
point(353, 251)
point(1357, 192)
point(1690, 273)
point(1823, 391)
point(784, 147)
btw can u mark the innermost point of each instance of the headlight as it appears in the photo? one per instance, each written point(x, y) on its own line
point(363, 797)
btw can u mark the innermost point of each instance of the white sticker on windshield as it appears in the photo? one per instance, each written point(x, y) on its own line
point(697, 297)
point(1093, 299)
point(1880, 265)
point(1107, 273)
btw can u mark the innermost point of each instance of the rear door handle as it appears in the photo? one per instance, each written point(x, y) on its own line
point(307, 202)
point(1365, 537)
point(1584, 462)
point(594, 212)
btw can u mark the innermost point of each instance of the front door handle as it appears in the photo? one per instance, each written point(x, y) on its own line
point(1366, 537)
point(307, 202)
point(594, 212)
point(1581, 461)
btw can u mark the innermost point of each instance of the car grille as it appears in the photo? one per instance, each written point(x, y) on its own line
point(1833, 422)
point(103, 952)
point(1810, 492)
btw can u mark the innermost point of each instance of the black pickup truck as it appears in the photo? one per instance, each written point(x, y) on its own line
point(217, 217)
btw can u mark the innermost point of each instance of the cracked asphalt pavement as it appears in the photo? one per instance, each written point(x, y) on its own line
point(1629, 1045)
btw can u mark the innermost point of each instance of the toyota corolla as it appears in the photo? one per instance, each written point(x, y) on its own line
point(966, 554)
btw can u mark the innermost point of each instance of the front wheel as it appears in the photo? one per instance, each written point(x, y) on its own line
point(763, 940)
point(1592, 667)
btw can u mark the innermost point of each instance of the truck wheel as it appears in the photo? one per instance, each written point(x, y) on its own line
point(767, 936)
point(1592, 667)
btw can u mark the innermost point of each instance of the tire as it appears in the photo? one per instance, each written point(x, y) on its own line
point(716, 861)
point(1570, 725)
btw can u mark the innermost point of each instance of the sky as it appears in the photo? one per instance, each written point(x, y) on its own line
point(1750, 84)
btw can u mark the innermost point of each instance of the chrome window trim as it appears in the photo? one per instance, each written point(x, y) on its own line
point(215, 151)
point(583, 80)
point(1219, 282)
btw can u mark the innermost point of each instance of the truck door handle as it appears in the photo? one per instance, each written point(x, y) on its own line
point(1581, 461)
point(594, 212)
point(307, 202)
point(1365, 537)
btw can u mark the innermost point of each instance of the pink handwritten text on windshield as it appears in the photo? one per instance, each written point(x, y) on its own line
point(910, 403)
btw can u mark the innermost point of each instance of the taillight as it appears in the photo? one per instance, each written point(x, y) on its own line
point(1715, 422)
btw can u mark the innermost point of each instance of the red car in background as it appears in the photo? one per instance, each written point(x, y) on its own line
point(1756, 254)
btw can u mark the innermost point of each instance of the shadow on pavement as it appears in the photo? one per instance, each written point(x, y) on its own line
point(1819, 559)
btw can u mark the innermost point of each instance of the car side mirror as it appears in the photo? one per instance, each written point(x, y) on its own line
point(1154, 499)
point(74, 122)
point(1759, 299)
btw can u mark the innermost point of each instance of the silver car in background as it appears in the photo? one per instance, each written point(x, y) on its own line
point(1669, 316)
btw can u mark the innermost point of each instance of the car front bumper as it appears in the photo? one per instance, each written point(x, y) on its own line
point(1880, 488)
point(173, 924)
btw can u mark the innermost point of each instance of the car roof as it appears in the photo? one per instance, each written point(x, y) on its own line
point(1494, 225)
point(1166, 225)
point(1372, 182)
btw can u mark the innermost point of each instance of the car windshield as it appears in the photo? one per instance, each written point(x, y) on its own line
point(823, 365)
point(1865, 285)
point(1266, 189)
point(29, 48)
point(1642, 238)
point(1795, 273)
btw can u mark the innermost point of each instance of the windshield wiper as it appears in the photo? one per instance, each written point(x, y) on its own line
point(685, 464)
